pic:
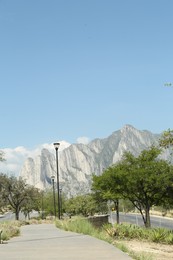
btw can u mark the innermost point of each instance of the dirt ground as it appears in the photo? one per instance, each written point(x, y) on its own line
point(157, 251)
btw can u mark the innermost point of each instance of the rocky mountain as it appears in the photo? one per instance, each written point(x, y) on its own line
point(78, 162)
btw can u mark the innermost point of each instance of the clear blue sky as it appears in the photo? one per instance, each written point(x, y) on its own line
point(72, 68)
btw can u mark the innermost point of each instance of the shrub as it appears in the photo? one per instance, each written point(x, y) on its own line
point(78, 225)
point(129, 231)
point(5, 236)
point(161, 235)
point(126, 231)
point(10, 229)
point(169, 238)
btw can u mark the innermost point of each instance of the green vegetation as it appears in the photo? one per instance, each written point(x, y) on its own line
point(129, 231)
point(117, 231)
point(166, 140)
point(10, 229)
point(145, 181)
point(83, 226)
point(77, 224)
point(84, 205)
point(18, 196)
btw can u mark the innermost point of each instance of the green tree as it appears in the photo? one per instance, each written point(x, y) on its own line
point(2, 180)
point(145, 180)
point(126, 206)
point(32, 201)
point(17, 194)
point(104, 191)
point(81, 205)
point(3, 203)
point(166, 140)
point(48, 203)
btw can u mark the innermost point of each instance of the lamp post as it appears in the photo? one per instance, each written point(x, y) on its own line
point(56, 145)
point(60, 190)
point(42, 194)
point(53, 184)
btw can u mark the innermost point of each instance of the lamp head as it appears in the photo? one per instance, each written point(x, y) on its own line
point(56, 145)
point(52, 177)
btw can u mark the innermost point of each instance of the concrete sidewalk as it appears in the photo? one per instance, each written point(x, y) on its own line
point(46, 242)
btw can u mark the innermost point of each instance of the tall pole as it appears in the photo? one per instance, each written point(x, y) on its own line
point(56, 145)
point(60, 190)
point(53, 184)
point(42, 193)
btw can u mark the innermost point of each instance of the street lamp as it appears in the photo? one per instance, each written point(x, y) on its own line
point(56, 145)
point(60, 190)
point(53, 184)
point(42, 205)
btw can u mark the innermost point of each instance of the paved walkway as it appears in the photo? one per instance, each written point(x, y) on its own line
point(46, 242)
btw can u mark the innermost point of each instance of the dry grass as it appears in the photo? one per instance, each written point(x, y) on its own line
point(157, 251)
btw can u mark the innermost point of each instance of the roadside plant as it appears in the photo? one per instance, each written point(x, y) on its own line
point(145, 181)
point(9, 229)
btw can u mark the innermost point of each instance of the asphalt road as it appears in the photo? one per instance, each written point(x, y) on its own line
point(156, 221)
point(11, 216)
point(7, 216)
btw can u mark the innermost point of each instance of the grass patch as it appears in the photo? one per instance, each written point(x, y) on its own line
point(78, 225)
point(10, 229)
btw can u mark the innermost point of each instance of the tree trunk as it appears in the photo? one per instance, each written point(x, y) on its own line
point(117, 211)
point(17, 211)
point(147, 217)
point(17, 215)
point(143, 217)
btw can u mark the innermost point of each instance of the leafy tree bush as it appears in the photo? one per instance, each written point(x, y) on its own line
point(18, 195)
point(145, 180)
point(81, 205)
point(166, 140)
point(48, 204)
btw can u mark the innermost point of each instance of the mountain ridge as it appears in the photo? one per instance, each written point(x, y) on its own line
point(78, 162)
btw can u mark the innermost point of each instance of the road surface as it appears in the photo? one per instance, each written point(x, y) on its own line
point(11, 216)
point(156, 221)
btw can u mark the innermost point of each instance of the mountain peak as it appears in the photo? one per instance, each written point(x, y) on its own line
point(128, 128)
point(78, 162)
